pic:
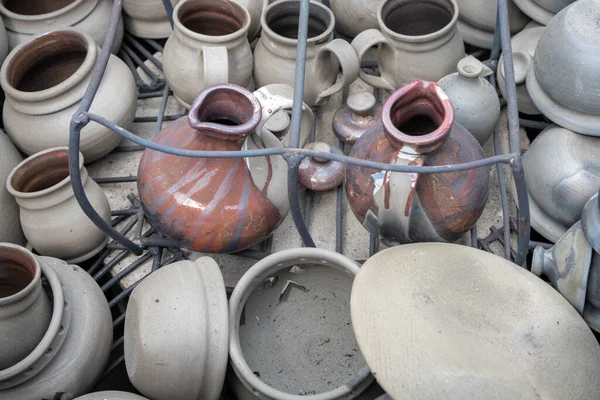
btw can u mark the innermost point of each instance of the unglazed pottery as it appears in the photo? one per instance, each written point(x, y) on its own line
point(52, 220)
point(417, 128)
point(177, 334)
point(275, 53)
point(354, 16)
point(44, 81)
point(441, 312)
point(24, 306)
point(3, 42)
point(216, 205)
point(208, 46)
point(477, 21)
point(416, 40)
point(564, 80)
point(111, 395)
point(26, 18)
point(562, 171)
point(360, 113)
point(475, 101)
point(73, 354)
point(255, 8)
point(318, 173)
point(147, 18)
point(523, 46)
point(10, 224)
point(542, 11)
point(290, 331)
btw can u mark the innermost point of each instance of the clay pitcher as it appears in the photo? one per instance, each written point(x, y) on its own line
point(218, 205)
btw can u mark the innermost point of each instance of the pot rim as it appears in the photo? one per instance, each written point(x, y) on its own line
point(43, 192)
point(39, 17)
point(282, 39)
point(246, 286)
point(178, 26)
point(80, 74)
point(418, 38)
point(6, 250)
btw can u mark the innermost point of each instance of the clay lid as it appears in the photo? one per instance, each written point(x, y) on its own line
point(319, 173)
point(361, 103)
point(444, 321)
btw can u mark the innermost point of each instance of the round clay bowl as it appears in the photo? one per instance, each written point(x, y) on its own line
point(444, 321)
point(291, 335)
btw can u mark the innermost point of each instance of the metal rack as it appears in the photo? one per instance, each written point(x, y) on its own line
point(150, 246)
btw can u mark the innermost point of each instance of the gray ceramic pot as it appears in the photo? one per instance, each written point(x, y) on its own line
point(10, 224)
point(562, 173)
point(565, 79)
point(112, 395)
point(542, 11)
point(429, 317)
point(176, 332)
point(474, 100)
point(71, 356)
point(290, 329)
point(24, 306)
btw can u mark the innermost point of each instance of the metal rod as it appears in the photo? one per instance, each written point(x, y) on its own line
point(162, 108)
point(115, 179)
point(339, 212)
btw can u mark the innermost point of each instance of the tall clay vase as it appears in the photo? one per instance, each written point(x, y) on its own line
point(416, 40)
point(24, 306)
point(208, 46)
point(52, 220)
point(10, 225)
point(44, 81)
point(217, 205)
point(417, 129)
point(26, 18)
point(147, 18)
point(275, 53)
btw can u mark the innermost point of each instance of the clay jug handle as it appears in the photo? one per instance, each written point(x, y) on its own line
point(215, 61)
point(395, 198)
point(348, 61)
point(362, 43)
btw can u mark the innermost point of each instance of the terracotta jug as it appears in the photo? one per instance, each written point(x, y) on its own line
point(417, 129)
point(416, 40)
point(10, 225)
point(44, 81)
point(147, 19)
point(216, 205)
point(26, 18)
point(275, 53)
point(52, 220)
point(208, 46)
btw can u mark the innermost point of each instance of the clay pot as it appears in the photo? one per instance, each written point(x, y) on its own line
point(147, 18)
point(52, 220)
point(71, 357)
point(3, 42)
point(561, 171)
point(208, 46)
point(26, 18)
point(475, 101)
point(542, 11)
point(354, 16)
point(227, 204)
point(255, 8)
point(435, 303)
point(477, 21)
point(275, 53)
point(523, 45)
point(177, 334)
point(564, 78)
point(45, 79)
point(10, 225)
point(417, 40)
point(320, 174)
point(360, 113)
point(24, 307)
point(417, 129)
point(290, 329)
point(111, 395)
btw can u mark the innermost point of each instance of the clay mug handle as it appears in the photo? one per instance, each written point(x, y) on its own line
point(395, 197)
point(362, 43)
point(348, 61)
point(215, 61)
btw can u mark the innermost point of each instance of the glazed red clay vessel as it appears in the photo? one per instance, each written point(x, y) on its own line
point(216, 205)
point(417, 128)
